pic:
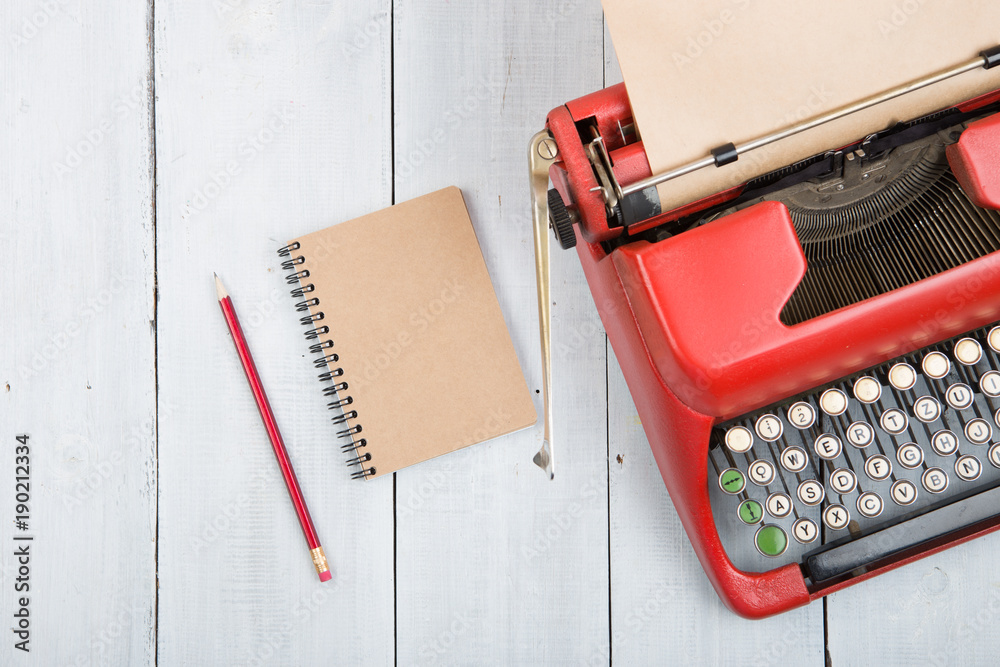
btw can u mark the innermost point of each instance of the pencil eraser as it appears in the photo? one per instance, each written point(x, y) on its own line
point(325, 576)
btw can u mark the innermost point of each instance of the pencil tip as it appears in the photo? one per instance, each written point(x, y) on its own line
point(219, 289)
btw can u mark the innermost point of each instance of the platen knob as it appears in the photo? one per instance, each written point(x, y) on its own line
point(560, 220)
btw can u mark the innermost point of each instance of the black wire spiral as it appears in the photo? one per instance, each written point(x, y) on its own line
point(354, 445)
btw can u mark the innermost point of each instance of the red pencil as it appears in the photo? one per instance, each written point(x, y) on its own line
point(315, 550)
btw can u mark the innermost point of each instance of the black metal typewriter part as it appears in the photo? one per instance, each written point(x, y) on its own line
point(870, 468)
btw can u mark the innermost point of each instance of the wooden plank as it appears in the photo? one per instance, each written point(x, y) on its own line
point(497, 564)
point(662, 604)
point(937, 611)
point(77, 369)
point(273, 120)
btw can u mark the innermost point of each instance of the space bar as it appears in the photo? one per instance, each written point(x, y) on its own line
point(929, 525)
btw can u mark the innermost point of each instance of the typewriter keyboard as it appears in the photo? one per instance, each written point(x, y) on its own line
point(892, 452)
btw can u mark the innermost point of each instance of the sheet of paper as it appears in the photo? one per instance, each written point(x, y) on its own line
point(702, 74)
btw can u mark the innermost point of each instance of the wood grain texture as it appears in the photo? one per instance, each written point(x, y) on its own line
point(273, 120)
point(496, 564)
point(77, 360)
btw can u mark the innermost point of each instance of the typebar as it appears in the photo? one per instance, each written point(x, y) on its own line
point(931, 523)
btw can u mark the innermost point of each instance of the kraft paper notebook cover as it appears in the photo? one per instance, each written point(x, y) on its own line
point(702, 74)
point(419, 362)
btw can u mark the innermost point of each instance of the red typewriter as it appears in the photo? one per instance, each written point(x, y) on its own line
point(815, 354)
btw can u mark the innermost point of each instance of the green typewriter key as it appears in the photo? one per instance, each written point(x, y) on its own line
point(771, 541)
point(732, 481)
point(751, 512)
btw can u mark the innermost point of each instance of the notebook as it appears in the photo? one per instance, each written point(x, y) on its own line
point(407, 334)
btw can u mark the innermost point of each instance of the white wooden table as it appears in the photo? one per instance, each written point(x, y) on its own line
point(142, 148)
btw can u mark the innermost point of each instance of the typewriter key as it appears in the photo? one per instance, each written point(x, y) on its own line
point(994, 339)
point(843, 480)
point(926, 409)
point(732, 481)
point(903, 492)
point(811, 492)
point(771, 541)
point(769, 428)
point(910, 456)
point(793, 459)
point(867, 389)
point(902, 376)
point(944, 443)
point(968, 351)
point(959, 396)
point(893, 421)
point(878, 467)
point(762, 473)
point(869, 505)
point(833, 402)
point(995, 455)
point(778, 505)
point(934, 480)
point(978, 431)
point(801, 415)
point(968, 468)
point(990, 384)
point(750, 512)
point(804, 530)
point(836, 517)
point(936, 365)
point(739, 439)
point(860, 434)
point(828, 446)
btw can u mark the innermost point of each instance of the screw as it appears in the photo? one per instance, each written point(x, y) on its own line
point(547, 149)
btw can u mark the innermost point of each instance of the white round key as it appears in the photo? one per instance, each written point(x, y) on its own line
point(833, 402)
point(860, 434)
point(836, 517)
point(794, 459)
point(801, 415)
point(828, 446)
point(944, 443)
point(761, 473)
point(902, 376)
point(769, 428)
point(903, 492)
point(893, 421)
point(990, 383)
point(878, 467)
point(910, 456)
point(968, 468)
point(959, 396)
point(968, 351)
point(993, 338)
point(869, 505)
point(843, 480)
point(934, 480)
point(978, 431)
point(926, 409)
point(739, 439)
point(805, 530)
point(867, 389)
point(995, 455)
point(935, 365)
point(778, 505)
point(810, 492)
point(996, 418)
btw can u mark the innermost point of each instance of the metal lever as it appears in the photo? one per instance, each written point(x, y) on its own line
point(541, 154)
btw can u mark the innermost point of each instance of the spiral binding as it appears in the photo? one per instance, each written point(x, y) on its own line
point(354, 445)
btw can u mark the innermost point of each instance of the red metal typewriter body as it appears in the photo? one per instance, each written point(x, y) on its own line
point(695, 321)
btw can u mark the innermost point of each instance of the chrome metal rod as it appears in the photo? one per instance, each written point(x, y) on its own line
point(892, 93)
